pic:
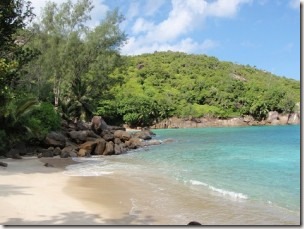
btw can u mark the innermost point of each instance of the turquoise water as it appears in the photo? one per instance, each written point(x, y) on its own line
point(258, 163)
point(242, 167)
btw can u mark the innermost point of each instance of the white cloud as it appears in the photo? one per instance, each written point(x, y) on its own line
point(152, 6)
point(135, 46)
point(133, 11)
point(225, 8)
point(142, 25)
point(295, 4)
point(171, 33)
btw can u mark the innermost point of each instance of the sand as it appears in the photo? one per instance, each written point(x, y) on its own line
point(33, 194)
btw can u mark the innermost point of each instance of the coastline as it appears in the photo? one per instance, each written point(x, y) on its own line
point(33, 194)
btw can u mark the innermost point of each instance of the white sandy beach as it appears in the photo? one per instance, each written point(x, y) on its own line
point(32, 194)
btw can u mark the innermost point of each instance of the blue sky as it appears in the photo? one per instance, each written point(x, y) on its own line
point(261, 33)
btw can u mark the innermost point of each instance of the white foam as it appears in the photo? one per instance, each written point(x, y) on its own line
point(195, 182)
point(230, 194)
point(85, 173)
point(88, 167)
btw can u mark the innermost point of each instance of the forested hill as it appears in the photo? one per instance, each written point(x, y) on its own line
point(165, 84)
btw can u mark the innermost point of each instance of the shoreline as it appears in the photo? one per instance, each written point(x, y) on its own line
point(33, 194)
point(117, 198)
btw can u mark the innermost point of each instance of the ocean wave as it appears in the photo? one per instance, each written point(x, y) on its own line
point(230, 194)
point(87, 167)
point(85, 173)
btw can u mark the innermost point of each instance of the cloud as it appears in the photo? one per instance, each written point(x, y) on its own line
point(135, 47)
point(225, 8)
point(152, 6)
point(171, 33)
point(141, 25)
point(294, 4)
point(133, 11)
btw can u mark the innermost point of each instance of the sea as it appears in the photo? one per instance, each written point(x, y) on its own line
point(216, 176)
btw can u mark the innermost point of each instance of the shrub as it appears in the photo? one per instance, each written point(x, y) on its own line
point(43, 119)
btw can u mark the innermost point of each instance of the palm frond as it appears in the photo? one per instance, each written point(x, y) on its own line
point(24, 107)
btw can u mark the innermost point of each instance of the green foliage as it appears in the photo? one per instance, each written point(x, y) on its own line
point(12, 121)
point(42, 120)
point(76, 61)
point(165, 84)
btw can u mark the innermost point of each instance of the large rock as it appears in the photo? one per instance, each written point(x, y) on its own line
point(83, 126)
point(69, 151)
point(81, 136)
point(46, 153)
point(119, 148)
point(294, 119)
point(57, 151)
point(90, 145)
point(133, 143)
point(109, 150)
point(122, 135)
point(100, 147)
point(144, 134)
point(83, 153)
point(107, 135)
point(3, 164)
point(151, 143)
point(55, 139)
point(98, 124)
point(272, 117)
point(17, 150)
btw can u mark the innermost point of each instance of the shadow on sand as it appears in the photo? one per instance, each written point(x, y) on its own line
point(10, 190)
point(82, 218)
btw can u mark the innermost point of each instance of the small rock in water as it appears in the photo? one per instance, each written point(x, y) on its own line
point(3, 164)
point(48, 165)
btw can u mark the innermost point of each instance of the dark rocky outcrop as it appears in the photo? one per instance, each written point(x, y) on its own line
point(107, 135)
point(133, 143)
point(100, 147)
point(98, 124)
point(55, 139)
point(69, 151)
point(3, 164)
point(109, 150)
point(86, 139)
point(122, 135)
point(80, 136)
point(144, 134)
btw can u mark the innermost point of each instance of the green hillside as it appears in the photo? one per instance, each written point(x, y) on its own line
point(165, 84)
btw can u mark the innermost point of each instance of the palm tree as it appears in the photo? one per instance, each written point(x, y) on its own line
point(13, 128)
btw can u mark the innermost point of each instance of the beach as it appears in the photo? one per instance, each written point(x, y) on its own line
point(197, 178)
point(33, 194)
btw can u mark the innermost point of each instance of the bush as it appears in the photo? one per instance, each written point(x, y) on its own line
point(43, 119)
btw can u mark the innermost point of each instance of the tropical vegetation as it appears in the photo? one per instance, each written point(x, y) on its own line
point(59, 66)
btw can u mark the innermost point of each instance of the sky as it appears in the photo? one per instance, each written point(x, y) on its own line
point(260, 33)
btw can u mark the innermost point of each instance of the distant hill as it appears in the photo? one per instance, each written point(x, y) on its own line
point(164, 84)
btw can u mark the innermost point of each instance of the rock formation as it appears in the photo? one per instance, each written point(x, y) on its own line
point(83, 140)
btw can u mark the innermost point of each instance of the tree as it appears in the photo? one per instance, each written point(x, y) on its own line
point(14, 16)
point(73, 54)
